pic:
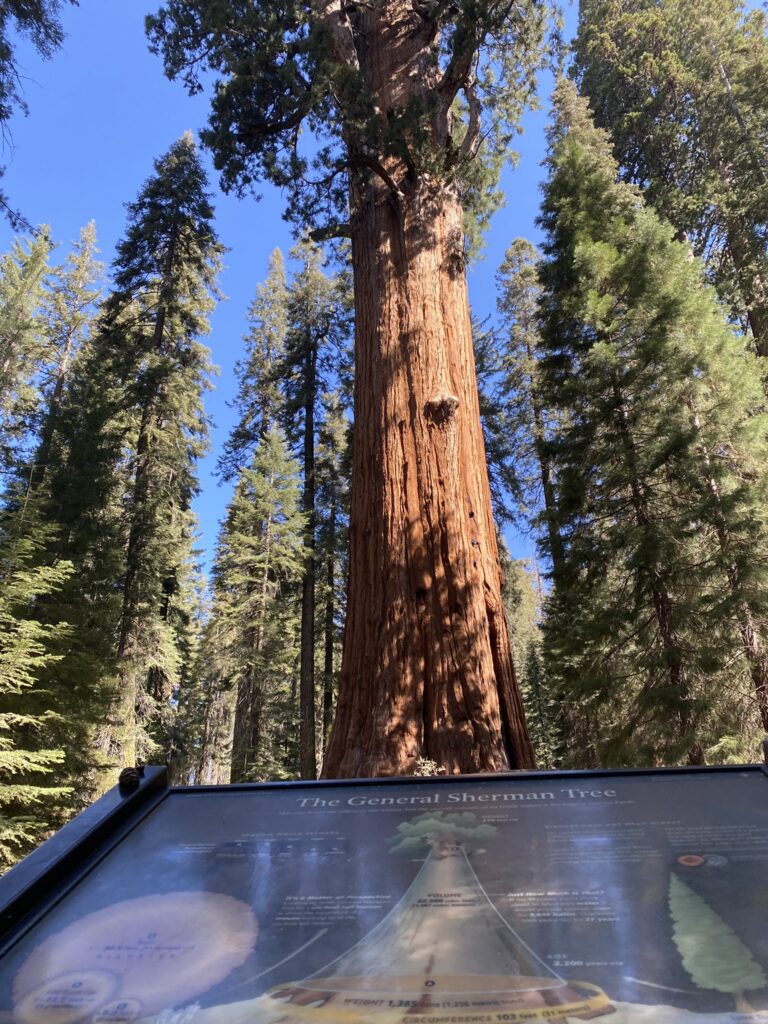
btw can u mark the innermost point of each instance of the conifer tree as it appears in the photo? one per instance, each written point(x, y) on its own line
point(43, 509)
point(259, 562)
point(68, 311)
point(206, 708)
point(164, 277)
point(683, 88)
point(333, 465)
point(317, 315)
point(498, 436)
point(82, 483)
point(523, 605)
point(526, 415)
point(662, 411)
point(259, 399)
point(23, 345)
point(30, 789)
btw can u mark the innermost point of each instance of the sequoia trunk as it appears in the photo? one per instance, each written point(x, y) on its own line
point(427, 668)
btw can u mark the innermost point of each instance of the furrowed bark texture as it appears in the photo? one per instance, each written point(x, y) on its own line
point(427, 667)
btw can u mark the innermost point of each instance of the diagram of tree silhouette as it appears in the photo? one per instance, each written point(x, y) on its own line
point(436, 829)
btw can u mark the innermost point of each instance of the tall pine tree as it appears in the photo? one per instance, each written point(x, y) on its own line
point(659, 445)
point(23, 345)
point(67, 697)
point(164, 277)
point(333, 468)
point(683, 88)
point(259, 564)
point(318, 327)
point(259, 399)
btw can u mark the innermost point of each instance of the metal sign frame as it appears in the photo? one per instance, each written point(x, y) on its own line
point(30, 889)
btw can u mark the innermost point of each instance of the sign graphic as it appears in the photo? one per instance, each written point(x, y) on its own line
point(639, 898)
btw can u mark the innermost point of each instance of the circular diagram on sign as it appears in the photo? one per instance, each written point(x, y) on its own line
point(134, 958)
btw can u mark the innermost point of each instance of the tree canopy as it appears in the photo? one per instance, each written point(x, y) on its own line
point(475, 75)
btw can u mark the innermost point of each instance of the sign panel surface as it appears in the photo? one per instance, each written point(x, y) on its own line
point(640, 898)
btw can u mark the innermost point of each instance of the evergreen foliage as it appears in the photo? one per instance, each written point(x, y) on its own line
point(68, 310)
point(318, 318)
point(259, 563)
point(523, 604)
point(23, 345)
point(684, 92)
point(164, 286)
point(259, 398)
point(205, 721)
point(660, 443)
point(65, 698)
point(332, 512)
point(484, 60)
point(30, 789)
point(527, 419)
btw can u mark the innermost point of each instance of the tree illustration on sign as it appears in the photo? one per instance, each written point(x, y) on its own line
point(712, 954)
point(436, 830)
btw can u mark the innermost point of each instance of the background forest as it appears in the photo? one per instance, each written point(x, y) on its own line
point(621, 354)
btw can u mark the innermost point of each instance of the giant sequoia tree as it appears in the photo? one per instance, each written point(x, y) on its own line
point(408, 101)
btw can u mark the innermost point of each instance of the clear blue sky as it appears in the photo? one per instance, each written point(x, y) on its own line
point(101, 111)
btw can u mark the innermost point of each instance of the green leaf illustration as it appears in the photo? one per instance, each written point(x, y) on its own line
point(713, 955)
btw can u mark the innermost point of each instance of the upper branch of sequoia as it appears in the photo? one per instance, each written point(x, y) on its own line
point(301, 87)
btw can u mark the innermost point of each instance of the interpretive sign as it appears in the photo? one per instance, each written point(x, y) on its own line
point(541, 897)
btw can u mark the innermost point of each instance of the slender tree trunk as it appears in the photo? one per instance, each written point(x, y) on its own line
point(249, 707)
point(545, 467)
point(757, 657)
point(248, 725)
point(427, 666)
point(307, 739)
point(213, 765)
point(329, 629)
point(118, 739)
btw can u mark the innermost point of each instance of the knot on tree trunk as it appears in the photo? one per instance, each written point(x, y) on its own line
point(441, 407)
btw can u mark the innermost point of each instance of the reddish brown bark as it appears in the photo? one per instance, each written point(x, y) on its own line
point(427, 668)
